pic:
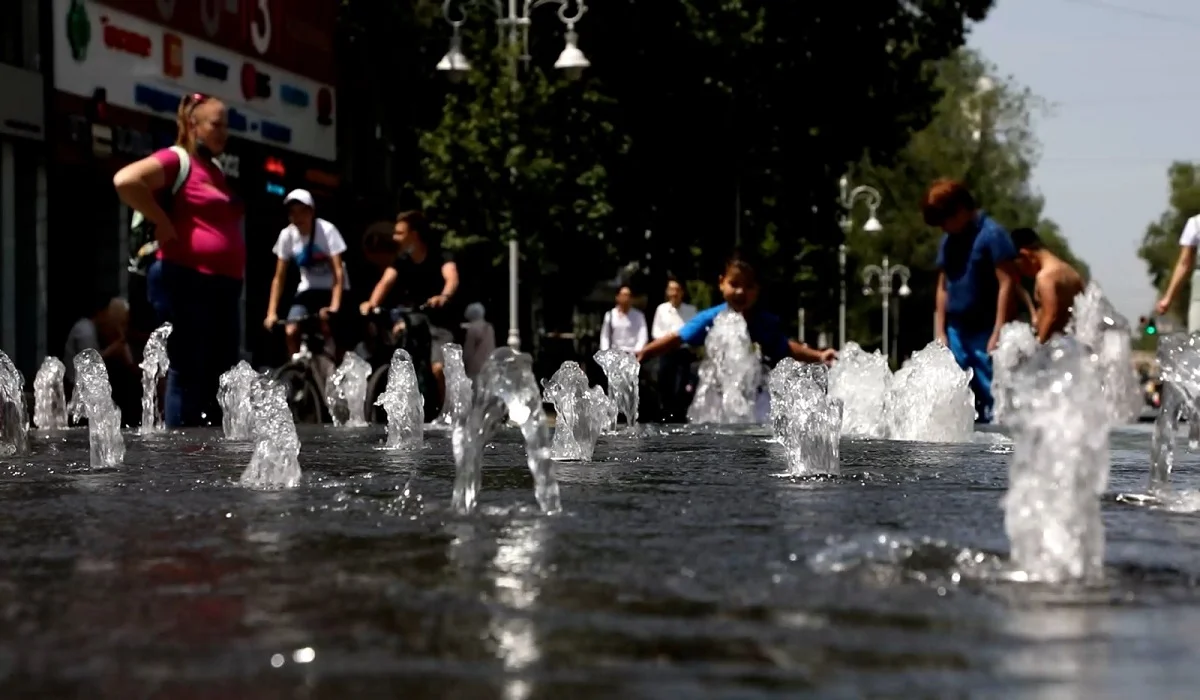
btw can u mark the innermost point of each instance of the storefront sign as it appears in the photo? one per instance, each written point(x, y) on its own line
point(179, 64)
point(231, 165)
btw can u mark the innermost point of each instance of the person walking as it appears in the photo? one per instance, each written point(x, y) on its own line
point(977, 284)
point(1185, 270)
point(674, 373)
point(202, 254)
point(480, 339)
point(624, 327)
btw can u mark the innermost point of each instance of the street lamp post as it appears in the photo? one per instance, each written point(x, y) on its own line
point(881, 276)
point(514, 19)
point(847, 200)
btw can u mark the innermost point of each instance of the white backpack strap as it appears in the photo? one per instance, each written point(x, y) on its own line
point(185, 168)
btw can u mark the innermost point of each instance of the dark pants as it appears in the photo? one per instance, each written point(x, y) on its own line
point(155, 294)
point(675, 384)
point(204, 341)
point(970, 351)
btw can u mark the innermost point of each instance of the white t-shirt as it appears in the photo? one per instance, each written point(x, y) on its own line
point(668, 319)
point(1191, 233)
point(623, 331)
point(315, 260)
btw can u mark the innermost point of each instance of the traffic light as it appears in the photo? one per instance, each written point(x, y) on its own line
point(1149, 325)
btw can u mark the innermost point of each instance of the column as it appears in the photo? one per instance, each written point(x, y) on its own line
point(123, 223)
point(41, 232)
point(8, 248)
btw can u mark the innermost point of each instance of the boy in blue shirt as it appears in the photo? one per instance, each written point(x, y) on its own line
point(977, 284)
point(739, 287)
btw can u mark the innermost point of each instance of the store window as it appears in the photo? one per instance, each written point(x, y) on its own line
point(19, 21)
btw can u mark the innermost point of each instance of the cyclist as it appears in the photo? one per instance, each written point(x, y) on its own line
point(423, 274)
point(317, 247)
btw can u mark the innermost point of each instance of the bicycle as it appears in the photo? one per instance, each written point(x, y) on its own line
point(306, 373)
point(407, 329)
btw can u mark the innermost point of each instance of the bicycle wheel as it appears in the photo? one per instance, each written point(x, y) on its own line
point(304, 398)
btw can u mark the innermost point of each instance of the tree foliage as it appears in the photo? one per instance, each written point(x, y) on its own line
point(1160, 244)
point(985, 139)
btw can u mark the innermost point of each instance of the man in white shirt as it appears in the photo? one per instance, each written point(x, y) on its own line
point(624, 327)
point(1185, 266)
point(672, 313)
point(317, 247)
point(675, 368)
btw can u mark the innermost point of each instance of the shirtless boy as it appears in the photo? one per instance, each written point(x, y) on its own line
point(1055, 283)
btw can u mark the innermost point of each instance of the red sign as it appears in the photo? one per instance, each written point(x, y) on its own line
point(119, 39)
point(300, 40)
point(172, 55)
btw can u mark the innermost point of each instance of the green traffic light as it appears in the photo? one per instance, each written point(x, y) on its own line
point(1151, 330)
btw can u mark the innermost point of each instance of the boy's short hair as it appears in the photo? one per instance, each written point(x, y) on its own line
point(945, 198)
point(378, 238)
point(741, 262)
point(1026, 238)
point(415, 220)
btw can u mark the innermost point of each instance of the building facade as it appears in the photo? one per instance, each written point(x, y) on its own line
point(23, 275)
point(119, 70)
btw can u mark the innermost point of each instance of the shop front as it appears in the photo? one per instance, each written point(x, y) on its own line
point(22, 218)
point(120, 71)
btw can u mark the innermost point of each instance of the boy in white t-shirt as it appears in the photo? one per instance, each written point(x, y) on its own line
point(1185, 270)
point(316, 246)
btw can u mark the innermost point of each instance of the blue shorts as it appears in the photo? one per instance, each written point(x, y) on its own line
point(309, 303)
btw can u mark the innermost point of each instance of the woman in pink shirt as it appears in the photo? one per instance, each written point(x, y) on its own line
point(202, 255)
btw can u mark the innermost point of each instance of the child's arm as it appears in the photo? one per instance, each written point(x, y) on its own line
point(660, 346)
point(1050, 316)
point(801, 352)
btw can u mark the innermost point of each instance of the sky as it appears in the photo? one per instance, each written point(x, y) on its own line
point(1116, 74)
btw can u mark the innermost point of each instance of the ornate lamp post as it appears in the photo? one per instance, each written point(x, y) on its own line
point(847, 200)
point(514, 19)
point(881, 276)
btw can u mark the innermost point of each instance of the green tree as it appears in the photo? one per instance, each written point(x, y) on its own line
point(985, 139)
point(1160, 244)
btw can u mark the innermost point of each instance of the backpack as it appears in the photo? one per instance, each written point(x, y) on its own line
point(141, 231)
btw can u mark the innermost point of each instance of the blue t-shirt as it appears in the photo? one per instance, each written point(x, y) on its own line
point(969, 260)
point(765, 329)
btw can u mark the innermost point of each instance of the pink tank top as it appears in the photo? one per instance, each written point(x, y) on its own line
point(207, 217)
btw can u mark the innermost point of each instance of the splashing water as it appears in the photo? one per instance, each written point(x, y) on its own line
point(1107, 334)
point(94, 402)
point(622, 370)
point(276, 459)
point(346, 392)
point(1059, 466)
point(1017, 344)
point(505, 385)
point(233, 393)
point(1179, 368)
point(14, 426)
point(49, 399)
point(730, 374)
point(930, 399)
point(458, 385)
point(154, 367)
point(403, 403)
point(860, 381)
point(581, 413)
point(805, 419)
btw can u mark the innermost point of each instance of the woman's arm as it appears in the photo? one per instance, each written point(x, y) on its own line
point(642, 335)
point(606, 332)
point(1185, 264)
point(136, 184)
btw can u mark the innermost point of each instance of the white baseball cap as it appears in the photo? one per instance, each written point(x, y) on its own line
point(300, 197)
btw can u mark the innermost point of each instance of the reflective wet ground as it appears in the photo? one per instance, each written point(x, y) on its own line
point(682, 567)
